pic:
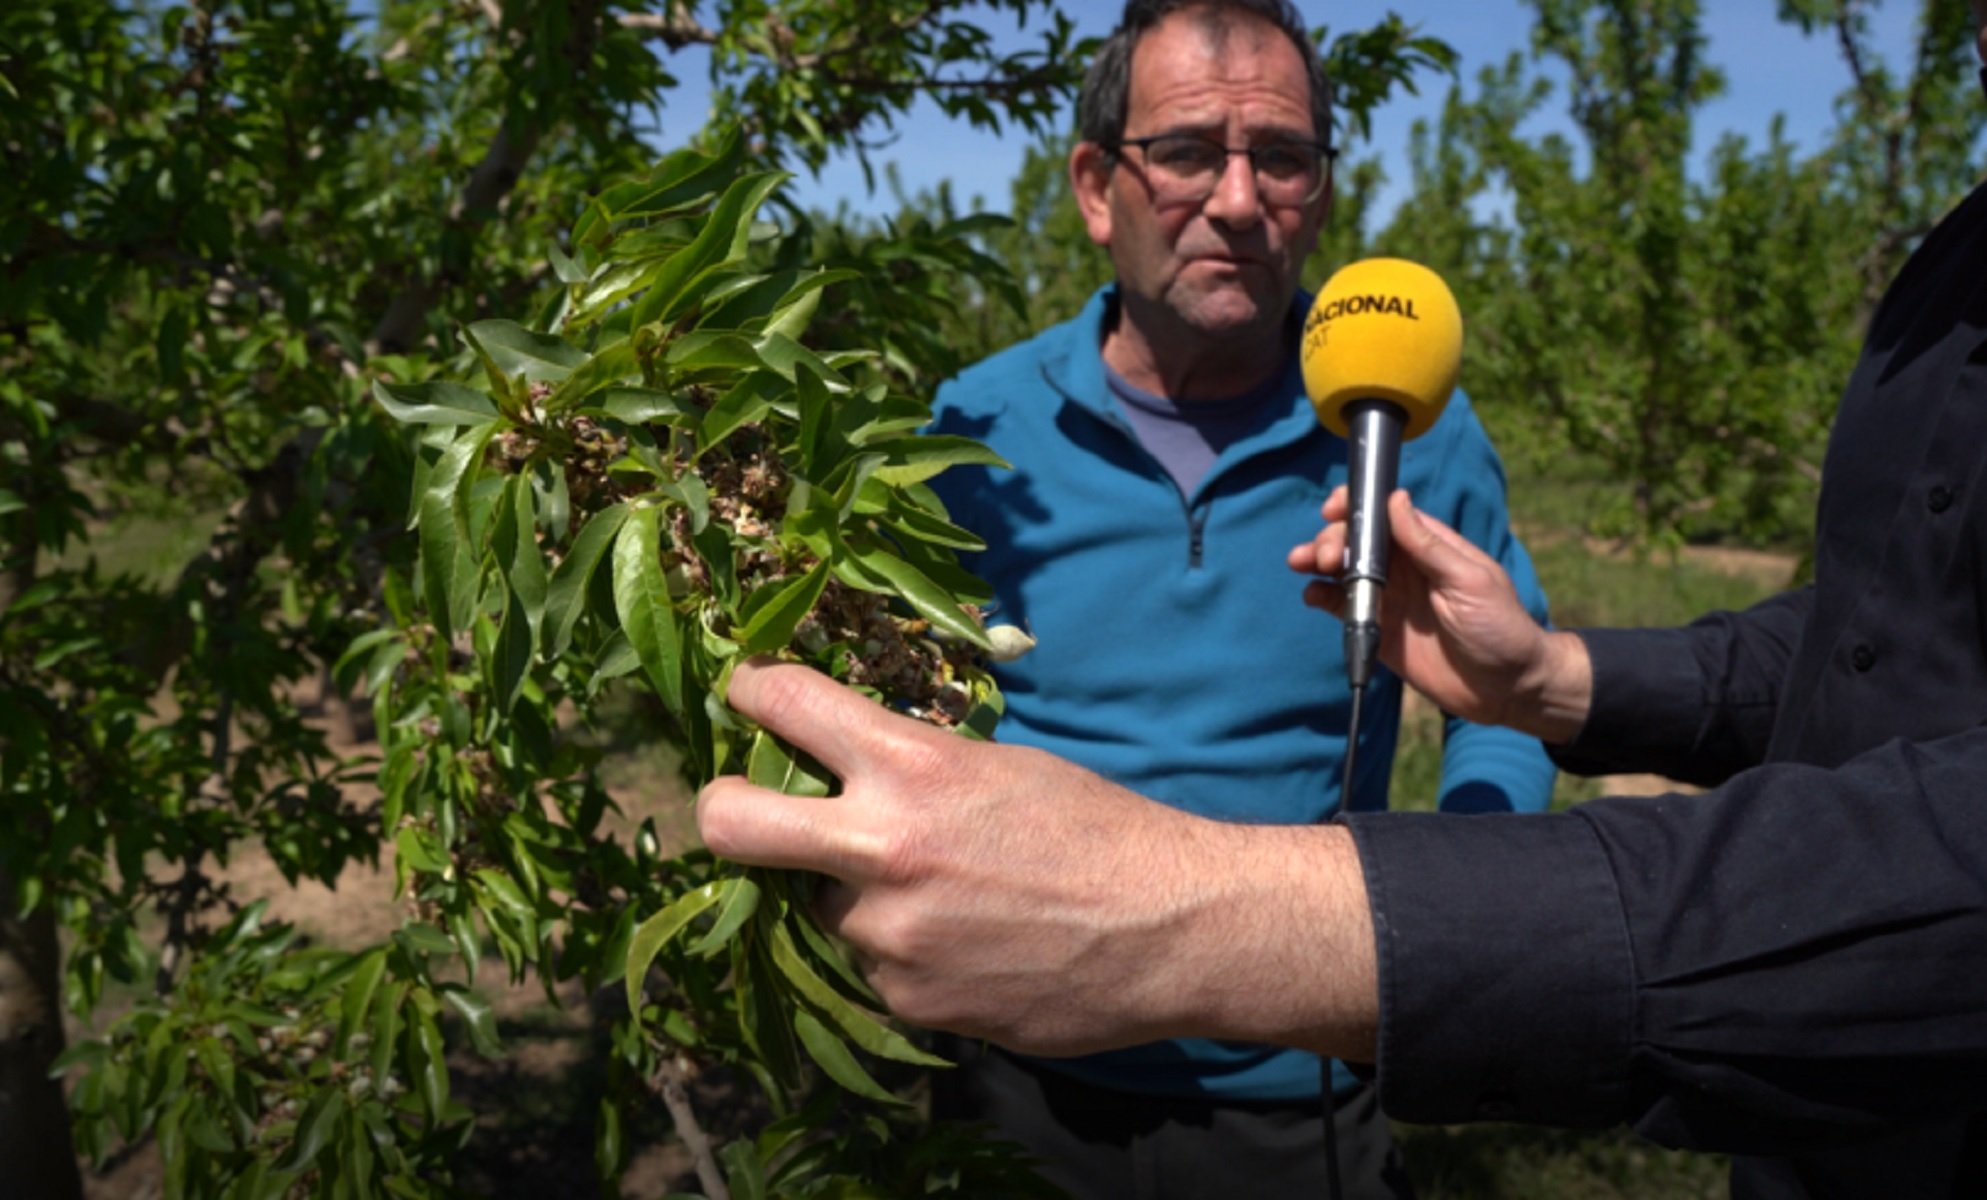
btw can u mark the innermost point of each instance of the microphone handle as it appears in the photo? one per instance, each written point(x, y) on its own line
point(1375, 465)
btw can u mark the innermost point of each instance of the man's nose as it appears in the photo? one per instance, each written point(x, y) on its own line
point(1235, 201)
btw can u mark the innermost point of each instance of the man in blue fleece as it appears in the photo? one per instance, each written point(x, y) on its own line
point(1165, 459)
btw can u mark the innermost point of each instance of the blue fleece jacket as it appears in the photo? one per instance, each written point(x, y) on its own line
point(1175, 654)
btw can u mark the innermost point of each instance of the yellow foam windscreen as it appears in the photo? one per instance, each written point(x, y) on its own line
point(1383, 329)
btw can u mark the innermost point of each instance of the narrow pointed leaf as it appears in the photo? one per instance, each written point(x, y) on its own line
point(648, 615)
point(777, 609)
point(860, 1027)
point(436, 403)
point(833, 1056)
point(741, 901)
point(565, 598)
point(880, 570)
point(916, 459)
point(772, 764)
point(314, 1129)
point(540, 358)
point(651, 935)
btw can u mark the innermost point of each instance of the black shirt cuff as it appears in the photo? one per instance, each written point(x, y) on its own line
point(1648, 697)
point(1506, 983)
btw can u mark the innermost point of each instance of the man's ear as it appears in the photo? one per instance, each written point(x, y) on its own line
point(1090, 168)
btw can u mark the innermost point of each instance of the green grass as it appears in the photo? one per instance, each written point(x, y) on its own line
point(1512, 1162)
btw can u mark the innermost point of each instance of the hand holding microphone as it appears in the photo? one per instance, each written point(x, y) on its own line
point(1381, 353)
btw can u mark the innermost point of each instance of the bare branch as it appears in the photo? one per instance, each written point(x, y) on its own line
point(671, 1084)
point(674, 29)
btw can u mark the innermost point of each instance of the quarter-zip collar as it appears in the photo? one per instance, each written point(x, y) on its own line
point(1074, 367)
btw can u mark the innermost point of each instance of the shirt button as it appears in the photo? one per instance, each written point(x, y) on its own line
point(1939, 499)
point(1863, 657)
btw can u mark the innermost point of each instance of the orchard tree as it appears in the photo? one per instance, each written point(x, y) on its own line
point(1685, 328)
point(224, 224)
point(510, 417)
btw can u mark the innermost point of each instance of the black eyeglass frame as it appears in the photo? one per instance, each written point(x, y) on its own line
point(1327, 154)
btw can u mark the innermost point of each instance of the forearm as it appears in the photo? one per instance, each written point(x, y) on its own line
point(1276, 945)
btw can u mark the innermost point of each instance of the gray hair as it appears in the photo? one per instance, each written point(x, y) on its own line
point(1106, 93)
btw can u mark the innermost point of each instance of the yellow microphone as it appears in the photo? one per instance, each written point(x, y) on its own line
point(1382, 348)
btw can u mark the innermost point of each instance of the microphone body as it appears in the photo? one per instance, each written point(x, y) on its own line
point(1381, 352)
point(1374, 467)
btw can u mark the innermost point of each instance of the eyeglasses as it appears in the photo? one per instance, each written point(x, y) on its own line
point(1185, 168)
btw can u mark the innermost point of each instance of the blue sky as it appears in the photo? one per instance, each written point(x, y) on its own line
point(1770, 68)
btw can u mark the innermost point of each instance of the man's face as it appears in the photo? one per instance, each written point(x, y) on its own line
point(1225, 265)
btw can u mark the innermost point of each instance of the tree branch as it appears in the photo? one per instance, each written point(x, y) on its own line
point(671, 1084)
point(674, 29)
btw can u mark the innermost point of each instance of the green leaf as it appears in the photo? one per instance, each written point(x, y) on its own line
point(436, 403)
point(612, 365)
point(750, 400)
point(648, 615)
point(741, 900)
point(420, 938)
point(428, 1063)
point(538, 357)
point(504, 891)
point(502, 390)
point(417, 848)
point(834, 959)
point(798, 307)
point(693, 494)
point(314, 1128)
point(478, 1018)
point(916, 459)
point(617, 657)
point(860, 1027)
point(879, 570)
point(721, 241)
point(651, 935)
point(832, 1054)
point(640, 406)
point(784, 356)
point(772, 764)
point(567, 593)
point(449, 569)
point(609, 1154)
point(714, 546)
point(712, 351)
point(523, 560)
point(686, 178)
point(783, 300)
point(764, 1008)
point(357, 998)
point(916, 524)
point(568, 270)
point(818, 449)
point(776, 609)
point(745, 1175)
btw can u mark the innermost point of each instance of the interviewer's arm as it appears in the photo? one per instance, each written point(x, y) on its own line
point(998, 892)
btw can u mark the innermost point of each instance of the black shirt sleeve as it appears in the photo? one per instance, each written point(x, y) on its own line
point(1696, 703)
point(1792, 960)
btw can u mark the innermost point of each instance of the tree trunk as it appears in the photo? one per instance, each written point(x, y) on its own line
point(37, 1159)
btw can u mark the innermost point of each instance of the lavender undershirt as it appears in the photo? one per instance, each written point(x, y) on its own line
point(1186, 438)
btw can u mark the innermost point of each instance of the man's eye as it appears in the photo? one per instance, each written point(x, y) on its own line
point(1283, 162)
point(1186, 155)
